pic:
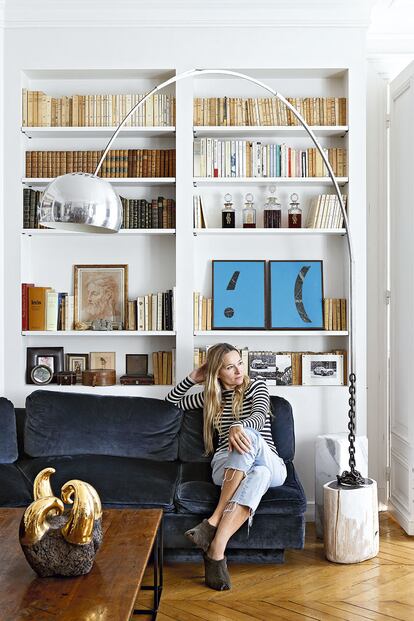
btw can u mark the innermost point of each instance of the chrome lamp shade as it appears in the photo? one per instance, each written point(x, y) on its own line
point(81, 202)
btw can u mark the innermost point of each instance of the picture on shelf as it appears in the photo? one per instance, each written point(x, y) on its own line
point(102, 360)
point(239, 295)
point(263, 364)
point(136, 364)
point(77, 363)
point(284, 370)
point(101, 292)
point(51, 357)
point(322, 369)
point(296, 295)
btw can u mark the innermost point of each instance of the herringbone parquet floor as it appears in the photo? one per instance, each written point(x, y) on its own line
point(306, 587)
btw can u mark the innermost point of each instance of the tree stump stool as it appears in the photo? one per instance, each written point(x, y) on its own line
point(351, 527)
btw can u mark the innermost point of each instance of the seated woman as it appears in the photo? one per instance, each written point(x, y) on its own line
point(245, 462)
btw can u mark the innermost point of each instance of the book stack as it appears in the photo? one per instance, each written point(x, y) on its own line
point(46, 309)
point(158, 213)
point(223, 111)
point(325, 212)
point(118, 163)
point(153, 311)
point(334, 314)
point(104, 110)
point(199, 218)
point(163, 365)
point(31, 200)
point(241, 158)
point(202, 311)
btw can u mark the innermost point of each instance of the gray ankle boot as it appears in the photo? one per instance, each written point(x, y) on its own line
point(202, 534)
point(216, 573)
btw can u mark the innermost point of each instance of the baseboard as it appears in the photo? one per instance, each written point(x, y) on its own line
point(401, 518)
point(310, 511)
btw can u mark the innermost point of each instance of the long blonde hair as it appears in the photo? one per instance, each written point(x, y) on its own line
point(213, 398)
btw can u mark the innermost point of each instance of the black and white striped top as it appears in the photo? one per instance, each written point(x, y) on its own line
point(255, 414)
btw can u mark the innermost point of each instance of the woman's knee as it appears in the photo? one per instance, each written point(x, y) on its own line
point(261, 474)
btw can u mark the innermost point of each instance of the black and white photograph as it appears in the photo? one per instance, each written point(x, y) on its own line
point(322, 369)
point(263, 364)
point(283, 370)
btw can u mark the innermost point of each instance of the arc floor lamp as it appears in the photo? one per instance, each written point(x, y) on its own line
point(88, 203)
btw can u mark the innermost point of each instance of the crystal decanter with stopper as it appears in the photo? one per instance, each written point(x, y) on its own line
point(228, 213)
point(272, 214)
point(249, 213)
point(294, 213)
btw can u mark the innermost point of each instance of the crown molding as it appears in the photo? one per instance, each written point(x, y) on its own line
point(187, 13)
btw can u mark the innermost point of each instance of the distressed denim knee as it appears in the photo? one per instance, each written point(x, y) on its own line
point(253, 487)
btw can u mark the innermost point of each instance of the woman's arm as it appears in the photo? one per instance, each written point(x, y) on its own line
point(260, 407)
point(177, 396)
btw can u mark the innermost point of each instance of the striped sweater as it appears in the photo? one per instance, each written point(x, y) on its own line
point(255, 414)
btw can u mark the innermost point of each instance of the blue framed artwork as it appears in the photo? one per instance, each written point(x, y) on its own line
point(296, 295)
point(239, 295)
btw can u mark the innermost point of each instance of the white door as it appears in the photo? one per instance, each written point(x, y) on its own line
point(402, 298)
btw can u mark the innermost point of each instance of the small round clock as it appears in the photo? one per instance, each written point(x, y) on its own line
point(41, 374)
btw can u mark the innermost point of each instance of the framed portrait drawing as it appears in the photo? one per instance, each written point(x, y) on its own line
point(296, 295)
point(77, 363)
point(239, 295)
point(51, 357)
point(322, 369)
point(102, 360)
point(101, 292)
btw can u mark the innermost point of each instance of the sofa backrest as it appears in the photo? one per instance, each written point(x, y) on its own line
point(8, 438)
point(191, 445)
point(60, 423)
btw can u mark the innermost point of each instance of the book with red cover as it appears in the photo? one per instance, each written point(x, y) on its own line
point(25, 304)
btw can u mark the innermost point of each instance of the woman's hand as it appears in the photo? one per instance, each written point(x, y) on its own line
point(199, 375)
point(239, 440)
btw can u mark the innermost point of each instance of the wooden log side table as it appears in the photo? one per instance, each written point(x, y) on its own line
point(351, 529)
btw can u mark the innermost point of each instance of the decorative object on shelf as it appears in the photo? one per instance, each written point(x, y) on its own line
point(322, 370)
point(59, 542)
point(136, 380)
point(66, 378)
point(249, 212)
point(239, 292)
point(59, 210)
point(228, 213)
point(77, 363)
point(296, 295)
point(101, 293)
point(294, 212)
point(272, 213)
point(105, 325)
point(81, 326)
point(51, 357)
point(99, 377)
point(136, 364)
point(102, 360)
point(41, 374)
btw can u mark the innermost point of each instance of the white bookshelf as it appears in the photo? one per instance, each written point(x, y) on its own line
point(57, 133)
point(272, 232)
point(253, 131)
point(278, 181)
point(118, 182)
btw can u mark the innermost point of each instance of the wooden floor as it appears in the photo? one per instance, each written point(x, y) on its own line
point(305, 587)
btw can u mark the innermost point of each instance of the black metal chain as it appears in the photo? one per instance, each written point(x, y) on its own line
point(352, 478)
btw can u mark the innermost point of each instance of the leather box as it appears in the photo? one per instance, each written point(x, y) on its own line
point(137, 380)
point(99, 377)
point(65, 378)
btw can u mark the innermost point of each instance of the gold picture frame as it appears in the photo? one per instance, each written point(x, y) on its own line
point(102, 360)
point(100, 292)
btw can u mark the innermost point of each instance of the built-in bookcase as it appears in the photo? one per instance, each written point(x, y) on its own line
point(161, 259)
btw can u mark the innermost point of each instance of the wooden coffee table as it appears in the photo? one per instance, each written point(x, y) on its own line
point(108, 592)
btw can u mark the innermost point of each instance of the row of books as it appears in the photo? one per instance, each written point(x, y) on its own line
point(224, 111)
point(199, 216)
point(334, 314)
point(118, 163)
point(46, 309)
point(101, 110)
point(163, 367)
point(242, 158)
point(153, 311)
point(325, 212)
point(158, 213)
point(202, 310)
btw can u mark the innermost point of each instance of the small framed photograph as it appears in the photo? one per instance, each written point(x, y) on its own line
point(51, 357)
point(102, 360)
point(283, 369)
point(263, 364)
point(322, 370)
point(101, 293)
point(296, 295)
point(136, 364)
point(239, 295)
point(77, 363)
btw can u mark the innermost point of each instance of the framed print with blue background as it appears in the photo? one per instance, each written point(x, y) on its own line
point(239, 295)
point(296, 295)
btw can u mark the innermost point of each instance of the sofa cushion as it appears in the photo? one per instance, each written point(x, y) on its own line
point(8, 438)
point(191, 443)
point(15, 489)
point(197, 494)
point(60, 423)
point(283, 430)
point(119, 481)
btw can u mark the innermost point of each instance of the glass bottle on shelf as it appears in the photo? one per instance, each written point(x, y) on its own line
point(228, 213)
point(272, 215)
point(249, 213)
point(294, 213)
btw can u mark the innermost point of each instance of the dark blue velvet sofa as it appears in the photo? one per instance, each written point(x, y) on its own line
point(140, 452)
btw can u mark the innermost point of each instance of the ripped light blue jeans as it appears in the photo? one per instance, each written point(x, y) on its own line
point(262, 469)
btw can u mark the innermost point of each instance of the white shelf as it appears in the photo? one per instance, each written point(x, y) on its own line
point(260, 231)
point(126, 181)
point(267, 333)
point(205, 181)
point(53, 232)
point(280, 130)
point(101, 333)
point(96, 132)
